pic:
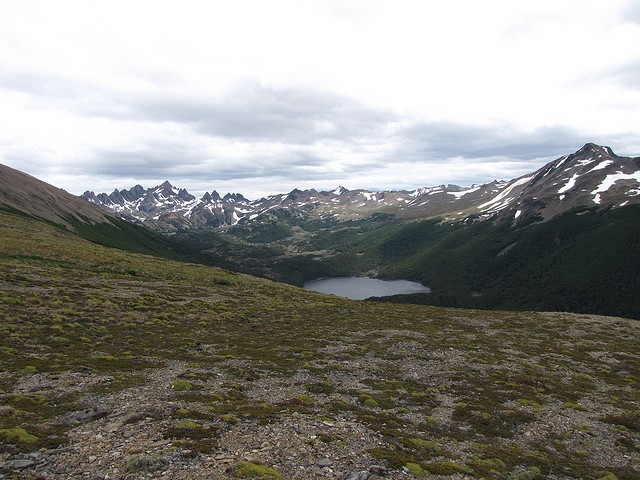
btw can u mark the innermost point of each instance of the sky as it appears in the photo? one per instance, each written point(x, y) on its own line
point(260, 97)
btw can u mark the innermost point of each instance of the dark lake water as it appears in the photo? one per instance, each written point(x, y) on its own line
point(359, 288)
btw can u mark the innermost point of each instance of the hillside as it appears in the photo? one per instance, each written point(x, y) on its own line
point(119, 365)
point(27, 194)
point(585, 260)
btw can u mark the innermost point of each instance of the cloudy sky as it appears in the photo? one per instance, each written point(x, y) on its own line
point(260, 97)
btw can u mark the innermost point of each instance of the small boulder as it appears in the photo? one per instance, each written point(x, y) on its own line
point(21, 463)
point(377, 470)
point(363, 475)
point(85, 416)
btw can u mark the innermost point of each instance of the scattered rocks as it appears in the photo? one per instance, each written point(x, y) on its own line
point(20, 463)
point(85, 416)
point(133, 418)
point(299, 441)
point(252, 458)
point(363, 475)
point(377, 470)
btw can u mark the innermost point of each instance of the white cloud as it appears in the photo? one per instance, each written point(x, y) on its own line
point(269, 96)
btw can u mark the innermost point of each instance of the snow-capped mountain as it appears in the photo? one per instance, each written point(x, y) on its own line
point(594, 176)
point(166, 205)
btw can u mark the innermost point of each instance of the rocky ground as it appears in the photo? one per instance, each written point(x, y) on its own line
point(123, 435)
point(329, 424)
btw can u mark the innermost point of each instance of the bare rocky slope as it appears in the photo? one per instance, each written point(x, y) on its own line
point(34, 197)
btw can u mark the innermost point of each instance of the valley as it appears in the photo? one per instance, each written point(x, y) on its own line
point(565, 237)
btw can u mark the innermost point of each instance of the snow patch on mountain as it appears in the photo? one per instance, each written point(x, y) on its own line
point(601, 166)
point(611, 180)
point(462, 193)
point(570, 184)
point(500, 201)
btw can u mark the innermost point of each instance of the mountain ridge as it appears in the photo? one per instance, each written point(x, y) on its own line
point(25, 193)
point(592, 176)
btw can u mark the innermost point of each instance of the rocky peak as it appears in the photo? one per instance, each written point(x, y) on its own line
point(165, 189)
point(590, 150)
point(116, 197)
point(206, 198)
point(234, 197)
point(89, 195)
point(184, 195)
point(296, 194)
point(133, 194)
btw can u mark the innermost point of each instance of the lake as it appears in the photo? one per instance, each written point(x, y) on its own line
point(359, 288)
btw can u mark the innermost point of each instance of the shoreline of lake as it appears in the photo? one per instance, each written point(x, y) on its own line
point(361, 288)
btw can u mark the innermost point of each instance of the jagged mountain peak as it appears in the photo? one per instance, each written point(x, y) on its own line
point(234, 197)
point(297, 195)
point(592, 176)
point(210, 197)
point(593, 148)
point(184, 195)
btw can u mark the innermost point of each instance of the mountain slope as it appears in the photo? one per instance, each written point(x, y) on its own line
point(128, 366)
point(593, 176)
point(580, 261)
point(34, 197)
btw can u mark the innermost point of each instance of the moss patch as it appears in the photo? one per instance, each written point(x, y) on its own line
point(249, 469)
point(20, 435)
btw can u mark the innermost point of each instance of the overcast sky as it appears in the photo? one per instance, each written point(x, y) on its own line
point(259, 97)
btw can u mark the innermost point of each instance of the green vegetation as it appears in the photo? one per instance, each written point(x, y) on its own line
point(248, 469)
point(582, 261)
point(181, 385)
point(146, 463)
point(416, 470)
point(447, 468)
point(17, 435)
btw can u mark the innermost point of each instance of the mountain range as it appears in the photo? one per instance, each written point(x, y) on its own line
point(592, 176)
